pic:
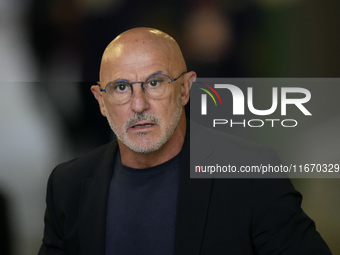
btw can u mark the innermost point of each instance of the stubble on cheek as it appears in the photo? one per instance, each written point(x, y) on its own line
point(144, 143)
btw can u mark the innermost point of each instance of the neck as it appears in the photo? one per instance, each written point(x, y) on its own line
point(169, 150)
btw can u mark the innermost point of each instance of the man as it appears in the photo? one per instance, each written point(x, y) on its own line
point(135, 196)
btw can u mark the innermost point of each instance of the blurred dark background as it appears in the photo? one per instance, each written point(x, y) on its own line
point(50, 56)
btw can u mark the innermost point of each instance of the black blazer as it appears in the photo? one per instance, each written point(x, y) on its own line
point(214, 216)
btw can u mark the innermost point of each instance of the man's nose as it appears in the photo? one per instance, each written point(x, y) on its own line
point(139, 99)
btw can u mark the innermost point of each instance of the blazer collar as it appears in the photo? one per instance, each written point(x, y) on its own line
point(93, 203)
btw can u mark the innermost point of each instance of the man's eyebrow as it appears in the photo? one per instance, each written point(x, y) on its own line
point(157, 72)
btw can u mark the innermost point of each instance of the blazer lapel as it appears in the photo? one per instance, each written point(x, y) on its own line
point(92, 213)
point(193, 201)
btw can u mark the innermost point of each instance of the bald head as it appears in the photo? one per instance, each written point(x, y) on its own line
point(142, 44)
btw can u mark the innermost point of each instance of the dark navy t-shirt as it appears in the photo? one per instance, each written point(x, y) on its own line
point(141, 209)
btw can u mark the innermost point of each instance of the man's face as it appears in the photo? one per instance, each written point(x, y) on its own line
point(143, 124)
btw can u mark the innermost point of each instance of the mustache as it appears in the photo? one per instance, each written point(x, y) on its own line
point(137, 117)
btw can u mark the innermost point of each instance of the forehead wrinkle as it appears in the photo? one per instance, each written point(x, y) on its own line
point(124, 79)
point(126, 68)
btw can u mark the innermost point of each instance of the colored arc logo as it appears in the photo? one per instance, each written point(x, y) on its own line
point(213, 90)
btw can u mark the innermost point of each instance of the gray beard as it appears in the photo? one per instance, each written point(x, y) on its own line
point(146, 146)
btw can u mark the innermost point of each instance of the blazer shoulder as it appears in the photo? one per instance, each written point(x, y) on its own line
point(84, 167)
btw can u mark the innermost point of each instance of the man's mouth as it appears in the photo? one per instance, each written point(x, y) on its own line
point(141, 125)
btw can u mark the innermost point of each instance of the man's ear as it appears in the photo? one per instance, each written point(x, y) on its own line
point(189, 78)
point(98, 95)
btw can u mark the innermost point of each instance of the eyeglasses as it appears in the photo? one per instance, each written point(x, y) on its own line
point(156, 86)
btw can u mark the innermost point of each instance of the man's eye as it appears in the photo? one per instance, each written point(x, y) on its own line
point(121, 87)
point(154, 83)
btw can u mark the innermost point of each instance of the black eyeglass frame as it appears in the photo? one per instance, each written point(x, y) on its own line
point(141, 82)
